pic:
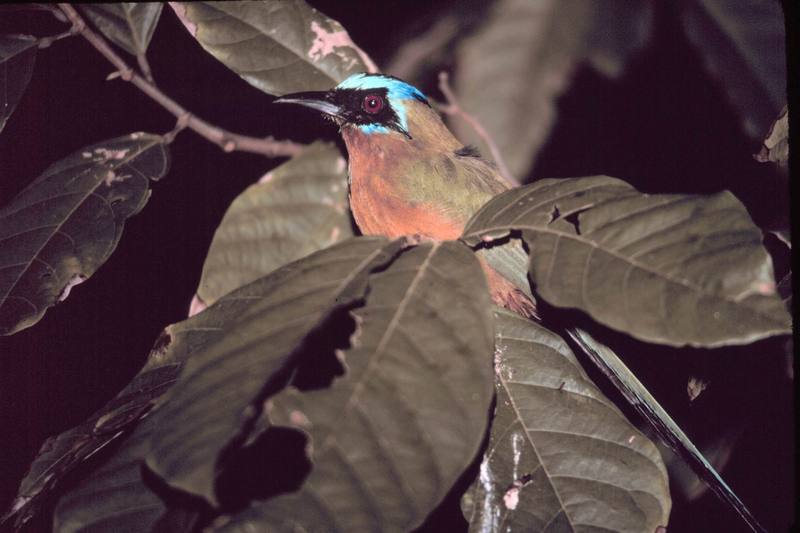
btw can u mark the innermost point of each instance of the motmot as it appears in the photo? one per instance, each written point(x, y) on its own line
point(408, 174)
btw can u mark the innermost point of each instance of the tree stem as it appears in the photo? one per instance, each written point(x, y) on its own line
point(226, 140)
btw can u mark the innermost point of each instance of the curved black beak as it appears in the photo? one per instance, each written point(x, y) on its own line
point(319, 100)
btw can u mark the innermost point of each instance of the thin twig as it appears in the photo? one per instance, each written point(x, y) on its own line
point(45, 42)
point(226, 140)
point(144, 66)
point(453, 108)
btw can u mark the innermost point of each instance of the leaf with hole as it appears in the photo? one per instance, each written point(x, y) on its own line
point(60, 229)
point(294, 210)
point(278, 46)
point(672, 269)
point(391, 435)
point(129, 25)
point(743, 44)
point(561, 456)
point(17, 57)
point(211, 408)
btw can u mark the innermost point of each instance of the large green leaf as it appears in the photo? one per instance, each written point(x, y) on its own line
point(561, 456)
point(116, 498)
point(220, 389)
point(279, 46)
point(743, 44)
point(129, 24)
point(670, 433)
point(59, 230)
point(62, 454)
point(113, 497)
point(298, 208)
point(391, 436)
point(673, 269)
point(526, 52)
point(17, 56)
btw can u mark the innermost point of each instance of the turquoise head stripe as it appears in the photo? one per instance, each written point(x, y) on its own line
point(396, 90)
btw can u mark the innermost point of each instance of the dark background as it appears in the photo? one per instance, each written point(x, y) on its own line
point(665, 126)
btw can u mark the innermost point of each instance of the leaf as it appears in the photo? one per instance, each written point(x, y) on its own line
point(17, 56)
point(114, 497)
point(666, 428)
point(213, 404)
point(775, 146)
point(672, 269)
point(526, 51)
point(296, 209)
point(743, 44)
point(129, 25)
point(59, 230)
point(561, 456)
point(619, 29)
point(391, 436)
point(278, 46)
point(64, 453)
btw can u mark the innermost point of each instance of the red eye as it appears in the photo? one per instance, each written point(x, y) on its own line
point(372, 103)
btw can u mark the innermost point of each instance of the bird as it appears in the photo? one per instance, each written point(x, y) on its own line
point(408, 175)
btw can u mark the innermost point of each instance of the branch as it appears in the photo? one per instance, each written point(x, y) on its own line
point(144, 66)
point(45, 42)
point(226, 140)
point(453, 108)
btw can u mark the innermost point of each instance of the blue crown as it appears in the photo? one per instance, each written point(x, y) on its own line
point(396, 91)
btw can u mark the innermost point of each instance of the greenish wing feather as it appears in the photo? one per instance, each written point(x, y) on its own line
point(456, 186)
